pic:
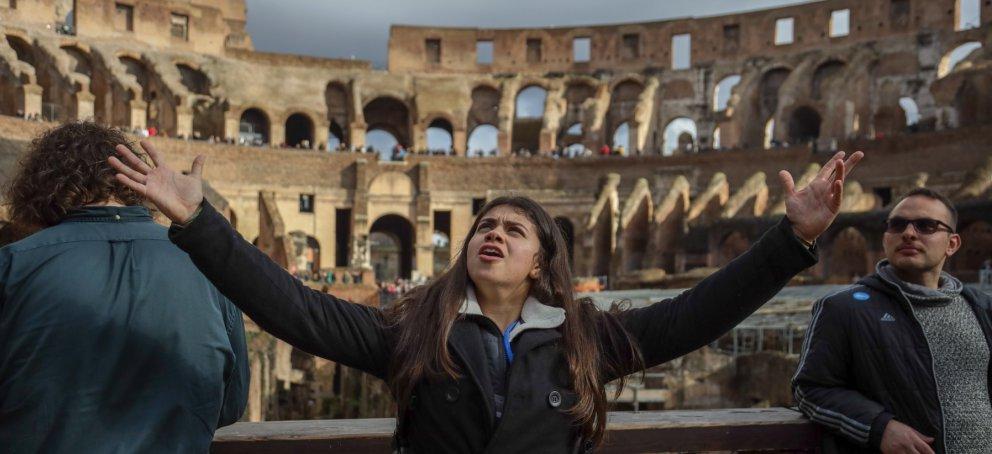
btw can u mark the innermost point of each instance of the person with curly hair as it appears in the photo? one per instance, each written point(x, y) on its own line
point(100, 351)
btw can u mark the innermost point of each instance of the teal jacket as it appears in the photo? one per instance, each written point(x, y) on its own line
point(112, 341)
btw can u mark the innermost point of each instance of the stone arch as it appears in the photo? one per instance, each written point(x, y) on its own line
point(339, 115)
point(972, 100)
point(603, 243)
point(602, 227)
point(567, 229)
point(976, 247)
point(959, 54)
point(23, 49)
point(299, 131)
point(768, 90)
point(528, 117)
point(381, 141)
point(391, 239)
point(804, 125)
point(392, 184)
point(160, 110)
point(440, 134)
point(668, 225)
point(732, 245)
point(847, 256)
point(621, 136)
point(253, 127)
point(305, 254)
point(483, 140)
point(572, 135)
point(485, 106)
point(136, 68)
point(824, 76)
point(391, 115)
point(81, 61)
point(195, 80)
point(711, 201)
point(750, 201)
point(577, 91)
point(723, 90)
point(680, 136)
point(635, 224)
point(624, 97)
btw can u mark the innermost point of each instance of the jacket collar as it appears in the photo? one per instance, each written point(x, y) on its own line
point(108, 214)
point(534, 315)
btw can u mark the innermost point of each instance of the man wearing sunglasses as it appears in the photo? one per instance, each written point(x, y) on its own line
point(900, 361)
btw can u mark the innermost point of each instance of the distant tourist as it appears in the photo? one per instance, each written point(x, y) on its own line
point(900, 361)
point(495, 354)
point(110, 339)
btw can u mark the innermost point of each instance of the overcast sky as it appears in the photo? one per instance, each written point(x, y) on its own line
point(360, 28)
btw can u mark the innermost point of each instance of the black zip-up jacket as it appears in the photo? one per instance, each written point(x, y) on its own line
point(455, 415)
point(866, 361)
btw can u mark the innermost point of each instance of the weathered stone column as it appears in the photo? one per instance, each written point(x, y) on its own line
point(31, 99)
point(424, 250)
point(360, 251)
point(356, 134)
point(184, 121)
point(232, 123)
point(459, 141)
point(321, 134)
point(137, 114)
point(554, 108)
point(277, 132)
point(85, 105)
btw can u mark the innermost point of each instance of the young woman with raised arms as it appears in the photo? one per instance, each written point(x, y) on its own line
point(496, 354)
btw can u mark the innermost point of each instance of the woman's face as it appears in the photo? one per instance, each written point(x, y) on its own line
point(504, 248)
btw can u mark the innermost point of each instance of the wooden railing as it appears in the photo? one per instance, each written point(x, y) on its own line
point(770, 430)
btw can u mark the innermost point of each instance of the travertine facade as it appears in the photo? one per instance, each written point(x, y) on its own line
point(186, 69)
point(709, 110)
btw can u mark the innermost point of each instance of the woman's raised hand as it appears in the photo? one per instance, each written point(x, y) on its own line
point(174, 194)
point(812, 209)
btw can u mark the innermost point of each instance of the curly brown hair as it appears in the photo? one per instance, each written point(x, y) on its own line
point(65, 168)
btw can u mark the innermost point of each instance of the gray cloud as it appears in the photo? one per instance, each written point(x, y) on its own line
point(360, 29)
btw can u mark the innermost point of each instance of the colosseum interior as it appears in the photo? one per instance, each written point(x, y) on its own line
point(700, 114)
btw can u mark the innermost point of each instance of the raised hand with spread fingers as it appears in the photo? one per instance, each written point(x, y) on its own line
point(176, 195)
point(812, 209)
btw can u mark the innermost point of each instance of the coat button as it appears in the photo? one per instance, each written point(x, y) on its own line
point(554, 399)
point(117, 217)
point(451, 394)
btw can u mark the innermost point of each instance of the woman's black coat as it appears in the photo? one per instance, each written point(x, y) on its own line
point(455, 415)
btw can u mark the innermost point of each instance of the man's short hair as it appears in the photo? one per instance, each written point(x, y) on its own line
point(65, 168)
point(930, 193)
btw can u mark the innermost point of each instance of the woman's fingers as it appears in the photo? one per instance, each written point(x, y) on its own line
point(852, 161)
point(197, 169)
point(133, 160)
point(836, 195)
point(828, 168)
point(787, 182)
point(127, 170)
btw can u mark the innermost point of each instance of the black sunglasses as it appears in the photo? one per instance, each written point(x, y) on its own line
point(923, 226)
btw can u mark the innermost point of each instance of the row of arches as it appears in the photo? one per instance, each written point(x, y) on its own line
point(389, 120)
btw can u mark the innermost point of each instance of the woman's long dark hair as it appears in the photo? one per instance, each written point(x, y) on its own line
point(424, 317)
